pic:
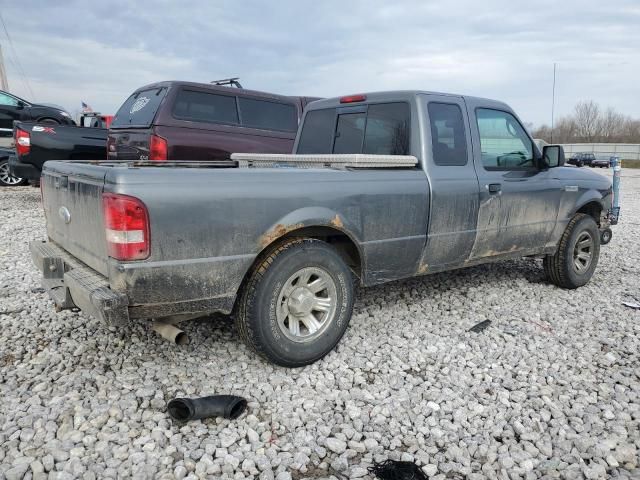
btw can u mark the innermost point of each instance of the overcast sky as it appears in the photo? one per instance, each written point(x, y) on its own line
point(99, 52)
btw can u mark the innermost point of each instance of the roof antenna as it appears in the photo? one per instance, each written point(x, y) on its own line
point(230, 82)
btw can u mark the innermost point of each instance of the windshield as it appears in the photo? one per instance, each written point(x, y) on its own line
point(139, 109)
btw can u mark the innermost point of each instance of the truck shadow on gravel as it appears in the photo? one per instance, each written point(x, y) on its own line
point(213, 329)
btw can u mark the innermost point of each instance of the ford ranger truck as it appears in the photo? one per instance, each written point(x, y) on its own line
point(382, 186)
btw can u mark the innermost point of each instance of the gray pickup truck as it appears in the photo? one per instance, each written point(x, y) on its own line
point(381, 187)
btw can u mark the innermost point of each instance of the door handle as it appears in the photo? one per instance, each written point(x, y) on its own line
point(494, 187)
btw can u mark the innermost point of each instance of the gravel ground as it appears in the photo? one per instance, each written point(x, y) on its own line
point(550, 390)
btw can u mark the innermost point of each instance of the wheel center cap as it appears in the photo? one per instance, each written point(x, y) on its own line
point(301, 301)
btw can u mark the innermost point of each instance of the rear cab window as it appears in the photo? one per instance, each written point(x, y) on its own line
point(381, 129)
point(139, 109)
point(448, 140)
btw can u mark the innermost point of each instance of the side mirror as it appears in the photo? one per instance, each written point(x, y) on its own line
point(20, 105)
point(553, 155)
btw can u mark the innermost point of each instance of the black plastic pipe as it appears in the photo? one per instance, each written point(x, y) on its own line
point(227, 406)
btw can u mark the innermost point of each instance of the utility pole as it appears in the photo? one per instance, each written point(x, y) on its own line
point(553, 99)
point(4, 82)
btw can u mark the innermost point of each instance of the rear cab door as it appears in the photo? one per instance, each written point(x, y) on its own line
point(519, 200)
point(454, 184)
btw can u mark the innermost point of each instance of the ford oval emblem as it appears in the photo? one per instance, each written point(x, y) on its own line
point(65, 214)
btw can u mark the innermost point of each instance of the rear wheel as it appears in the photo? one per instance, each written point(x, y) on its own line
point(605, 236)
point(297, 303)
point(48, 121)
point(6, 179)
point(574, 262)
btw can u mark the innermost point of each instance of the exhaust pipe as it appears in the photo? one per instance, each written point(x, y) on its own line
point(170, 332)
point(225, 406)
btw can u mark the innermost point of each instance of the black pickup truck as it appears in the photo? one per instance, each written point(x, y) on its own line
point(37, 143)
point(382, 186)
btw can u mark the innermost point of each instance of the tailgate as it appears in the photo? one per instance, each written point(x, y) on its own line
point(72, 199)
point(128, 144)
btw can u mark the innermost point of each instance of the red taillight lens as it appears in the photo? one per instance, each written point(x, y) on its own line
point(22, 139)
point(157, 148)
point(353, 98)
point(126, 223)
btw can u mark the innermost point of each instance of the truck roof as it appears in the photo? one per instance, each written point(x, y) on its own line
point(219, 88)
point(385, 96)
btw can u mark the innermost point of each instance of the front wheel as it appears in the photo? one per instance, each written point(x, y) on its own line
point(605, 236)
point(297, 303)
point(574, 262)
point(6, 179)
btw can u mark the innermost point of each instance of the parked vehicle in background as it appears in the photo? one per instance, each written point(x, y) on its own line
point(37, 143)
point(6, 178)
point(391, 185)
point(195, 121)
point(581, 159)
point(95, 120)
point(602, 162)
point(14, 108)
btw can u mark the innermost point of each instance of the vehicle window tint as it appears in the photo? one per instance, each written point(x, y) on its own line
point(8, 100)
point(268, 115)
point(139, 109)
point(317, 132)
point(205, 107)
point(504, 143)
point(387, 129)
point(349, 133)
point(448, 141)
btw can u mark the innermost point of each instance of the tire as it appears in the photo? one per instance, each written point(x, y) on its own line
point(48, 121)
point(272, 316)
point(605, 236)
point(6, 179)
point(568, 267)
point(579, 164)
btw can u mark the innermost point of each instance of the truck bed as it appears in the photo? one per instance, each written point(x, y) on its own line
point(208, 223)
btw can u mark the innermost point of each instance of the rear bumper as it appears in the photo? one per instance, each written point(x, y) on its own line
point(72, 284)
point(23, 170)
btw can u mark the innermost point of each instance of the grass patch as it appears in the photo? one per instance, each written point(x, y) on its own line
point(630, 164)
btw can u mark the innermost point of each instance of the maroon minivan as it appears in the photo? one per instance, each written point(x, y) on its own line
point(177, 120)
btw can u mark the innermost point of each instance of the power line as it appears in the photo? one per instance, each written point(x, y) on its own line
point(17, 59)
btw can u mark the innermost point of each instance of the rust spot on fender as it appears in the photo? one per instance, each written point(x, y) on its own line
point(337, 221)
point(276, 232)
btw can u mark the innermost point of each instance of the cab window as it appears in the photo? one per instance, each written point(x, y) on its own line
point(448, 141)
point(381, 129)
point(8, 100)
point(504, 143)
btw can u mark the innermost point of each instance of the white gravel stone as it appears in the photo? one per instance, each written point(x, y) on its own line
point(336, 445)
point(549, 390)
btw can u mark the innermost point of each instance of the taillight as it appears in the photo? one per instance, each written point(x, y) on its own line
point(157, 148)
point(126, 223)
point(353, 98)
point(22, 140)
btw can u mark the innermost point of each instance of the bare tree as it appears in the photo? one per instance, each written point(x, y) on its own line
point(610, 126)
point(586, 116)
point(589, 123)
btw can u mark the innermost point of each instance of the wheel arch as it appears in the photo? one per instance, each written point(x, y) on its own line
point(317, 223)
point(591, 206)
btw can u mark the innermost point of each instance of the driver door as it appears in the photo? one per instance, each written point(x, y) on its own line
point(518, 201)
